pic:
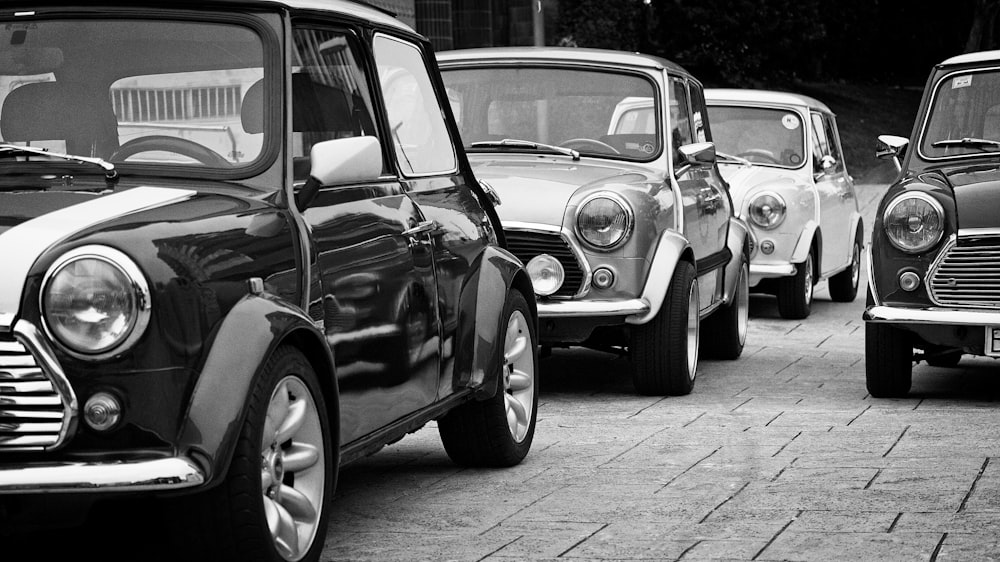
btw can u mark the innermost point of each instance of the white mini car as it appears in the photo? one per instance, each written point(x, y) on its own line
point(782, 157)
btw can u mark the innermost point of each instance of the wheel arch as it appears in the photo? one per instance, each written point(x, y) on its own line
point(234, 361)
point(671, 249)
point(739, 246)
point(810, 240)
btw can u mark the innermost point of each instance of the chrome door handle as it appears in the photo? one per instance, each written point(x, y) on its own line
point(421, 228)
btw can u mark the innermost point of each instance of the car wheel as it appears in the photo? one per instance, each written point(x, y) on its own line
point(274, 502)
point(844, 285)
point(948, 359)
point(888, 361)
point(497, 432)
point(727, 327)
point(795, 293)
point(665, 349)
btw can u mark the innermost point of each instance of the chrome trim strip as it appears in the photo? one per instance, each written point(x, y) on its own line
point(931, 315)
point(870, 269)
point(913, 195)
point(123, 476)
point(570, 309)
point(978, 232)
point(569, 238)
point(29, 336)
point(766, 271)
point(22, 244)
point(929, 274)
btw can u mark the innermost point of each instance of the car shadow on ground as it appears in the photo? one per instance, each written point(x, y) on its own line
point(973, 381)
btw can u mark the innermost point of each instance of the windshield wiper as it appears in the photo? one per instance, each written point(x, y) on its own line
point(517, 143)
point(967, 141)
point(737, 159)
point(110, 173)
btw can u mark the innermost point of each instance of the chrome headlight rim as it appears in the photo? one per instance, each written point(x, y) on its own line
point(929, 199)
point(626, 209)
point(775, 195)
point(139, 285)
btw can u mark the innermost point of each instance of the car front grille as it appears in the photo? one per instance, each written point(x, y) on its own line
point(526, 244)
point(967, 275)
point(32, 414)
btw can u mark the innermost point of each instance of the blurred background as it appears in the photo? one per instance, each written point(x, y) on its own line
point(866, 59)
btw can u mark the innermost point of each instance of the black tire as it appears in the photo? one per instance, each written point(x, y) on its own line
point(948, 359)
point(888, 361)
point(230, 521)
point(664, 357)
point(795, 293)
point(479, 433)
point(844, 285)
point(726, 329)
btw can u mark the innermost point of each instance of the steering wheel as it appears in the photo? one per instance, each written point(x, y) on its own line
point(583, 144)
point(762, 154)
point(176, 145)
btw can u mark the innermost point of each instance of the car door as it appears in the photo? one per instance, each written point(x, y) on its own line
point(455, 225)
point(707, 206)
point(374, 277)
point(836, 194)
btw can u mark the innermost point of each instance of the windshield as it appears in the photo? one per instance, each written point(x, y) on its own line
point(965, 112)
point(609, 114)
point(773, 137)
point(132, 91)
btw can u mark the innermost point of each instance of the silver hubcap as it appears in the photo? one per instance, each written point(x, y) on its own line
point(292, 473)
point(692, 331)
point(809, 278)
point(743, 304)
point(518, 376)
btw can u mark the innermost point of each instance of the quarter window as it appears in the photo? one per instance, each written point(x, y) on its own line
point(419, 134)
point(680, 116)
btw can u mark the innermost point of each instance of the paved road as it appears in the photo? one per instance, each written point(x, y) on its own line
point(781, 455)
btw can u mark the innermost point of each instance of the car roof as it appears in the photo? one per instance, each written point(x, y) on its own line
point(967, 58)
point(571, 54)
point(771, 97)
point(358, 9)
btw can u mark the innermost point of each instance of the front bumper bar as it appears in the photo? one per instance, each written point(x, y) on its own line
point(931, 315)
point(160, 474)
point(580, 309)
point(759, 272)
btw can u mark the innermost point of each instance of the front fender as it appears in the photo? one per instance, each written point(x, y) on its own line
point(238, 351)
point(737, 244)
point(480, 319)
point(671, 249)
point(805, 241)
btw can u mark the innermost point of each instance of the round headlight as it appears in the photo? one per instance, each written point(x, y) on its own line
point(604, 221)
point(767, 210)
point(914, 222)
point(546, 274)
point(94, 299)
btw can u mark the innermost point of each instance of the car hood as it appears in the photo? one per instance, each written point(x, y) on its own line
point(744, 180)
point(977, 194)
point(538, 190)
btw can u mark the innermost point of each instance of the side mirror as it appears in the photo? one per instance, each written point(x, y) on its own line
point(891, 146)
point(355, 159)
point(698, 153)
point(827, 163)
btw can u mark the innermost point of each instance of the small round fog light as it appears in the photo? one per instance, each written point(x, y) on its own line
point(546, 274)
point(603, 278)
point(909, 281)
point(767, 247)
point(102, 411)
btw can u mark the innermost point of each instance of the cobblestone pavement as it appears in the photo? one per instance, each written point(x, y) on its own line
point(780, 455)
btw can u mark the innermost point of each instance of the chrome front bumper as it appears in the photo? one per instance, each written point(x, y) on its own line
point(931, 315)
point(158, 474)
point(580, 309)
point(769, 271)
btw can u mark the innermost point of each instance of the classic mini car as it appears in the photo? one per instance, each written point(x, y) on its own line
point(617, 208)
point(781, 154)
point(934, 278)
point(241, 248)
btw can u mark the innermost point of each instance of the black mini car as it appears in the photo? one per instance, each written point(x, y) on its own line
point(241, 247)
point(934, 275)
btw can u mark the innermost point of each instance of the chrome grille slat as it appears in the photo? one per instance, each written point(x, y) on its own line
point(32, 412)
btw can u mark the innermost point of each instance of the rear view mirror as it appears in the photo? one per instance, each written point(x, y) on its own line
point(350, 160)
point(891, 146)
point(698, 154)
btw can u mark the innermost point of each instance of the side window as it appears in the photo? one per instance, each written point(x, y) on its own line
point(680, 116)
point(833, 141)
point(699, 115)
point(820, 141)
point(419, 133)
point(330, 97)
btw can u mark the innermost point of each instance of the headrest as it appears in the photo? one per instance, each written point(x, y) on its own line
point(38, 111)
point(319, 108)
point(252, 109)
